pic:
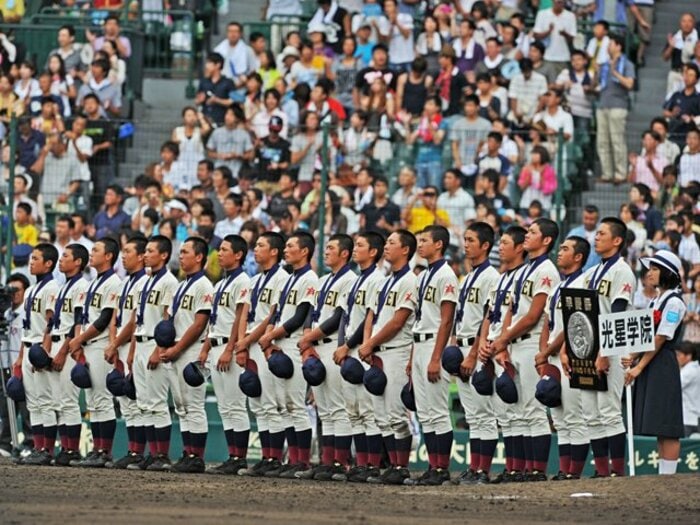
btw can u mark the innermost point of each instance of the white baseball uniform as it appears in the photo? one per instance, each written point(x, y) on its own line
point(437, 284)
point(330, 403)
point(300, 288)
point(540, 276)
point(66, 395)
point(39, 301)
point(358, 402)
point(152, 385)
point(102, 293)
point(229, 293)
point(477, 287)
point(603, 410)
point(193, 295)
point(264, 294)
point(399, 291)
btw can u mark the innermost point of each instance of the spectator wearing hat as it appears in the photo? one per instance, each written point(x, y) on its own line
point(23, 183)
point(273, 154)
point(214, 89)
point(365, 41)
point(231, 145)
point(287, 57)
point(335, 18)
point(111, 219)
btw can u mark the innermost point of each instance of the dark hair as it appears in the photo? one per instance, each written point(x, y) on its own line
point(112, 16)
point(419, 64)
point(111, 247)
point(102, 64)
point(163, 244)
point(548, 228)
point(603, 23)
point(581, 247)
point(25, 207)
point(226, 172)
point(69, 28)
point(79, 252)
point(209, 164)
point(645, 192)
point(171, 146)
point(492, 176)
point(653, 134)
point(591, 208)
point(276, 242)
point(618, 39)
point(471, 98)
point(235, 198)
point(238, 245)
point(48, 253)
point(376, 242)
point(407, 239)
point(439, 234)
point(255, 35)
point(580, 53)
point(543, 153)
point(344, 243)
point(152, 215)
point(235, 24)
point(539, 46)
point(139, 242)
point(668, 280)
point(617, 228)
point(215, 58)
point(380, 178)
point(272, 92)
point(305, 241)
point(200, 247)
point(495, 135)
point(517, 233)
point(63, 218)
point(659, 120)
point(484, 233)
point(19, 277)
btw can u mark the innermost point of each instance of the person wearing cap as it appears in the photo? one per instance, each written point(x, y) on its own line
point(477, 286)
point(390, 325)
point(112, 218)
point(273, 153)
point(615, 283)
point(568, 417)
point(512, 255)
point(657, 392)
point(217, 352)
point(23, 183)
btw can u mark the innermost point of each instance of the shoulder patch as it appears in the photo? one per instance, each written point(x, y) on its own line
point(672, 316)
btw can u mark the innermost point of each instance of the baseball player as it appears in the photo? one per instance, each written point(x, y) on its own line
point(322, 339)
point(150, 378)
point(117, 351)
point(91, 340)
point(512, 254)
point(258, 311)
point(568, 418)
point(389, 333)
point(522, 328)
point(68, 310)
point(38, 312)
point(367, 252)
point(191, 308)
point(217, 352)
point(435, 312)
point(615, 282)
point(296, 301)
point(472, 306)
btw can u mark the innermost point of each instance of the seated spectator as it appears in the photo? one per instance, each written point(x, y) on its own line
point(379, 69)
point(537, 180)
point(232, 221)
point(357, 140)
point(62, 83)
point(396, 29)
point(109, 94)
point(57, 170)
point(117, 65)
point(174, 175)
point(428, 136)
point(45, 93)
point(669, 190)
point(689, 164)
point(524, 38)
point(68, 50)
point(111, 219)
point(467, 133)
point(412, 89)
point(489, 104)
point(279, 201)
point(407, 189)
point(557, 26)
point(690, 380)
point(271, 107)
point(288, 102)
point(111, 31)
point(492, 159)
point(238, 57)
point(336, 20)
point(679, 46)
point(329, 109)
point(508, 35)
point(230, 145)
point(597, 48)
point(429, 44)
point(691, 322)
point(25, 231)
point(467, 51)
point(666, 147)
point(648, 168)
point(214, 89)
point(305, 70)
point(628, 214)
point(587, 229)
point(10, 103)
point(306, 148)
point(189, 138)
point(380, 215)
point(640, 196)
point(484, 29)
point(417, 216)
point(547, 69)
point(343, 72)
point(268, 69)
point(26, 86)
point(682, 108)
point(252, 98)
point(258, 43)
point(49, 119)
point(222, 180)
point(524, 93)
point(493, 59)
point(323, 53)
point(487, 193)
point(458, 204)
point(273, 155)
point(365, 42)
point(23, 183)
point(364, 189)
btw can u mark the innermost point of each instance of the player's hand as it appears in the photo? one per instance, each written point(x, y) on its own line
point(154, 359)
point(304, 343)
point(169, 355)
point(627, 361)
point(241, 345)
point(265, 341)
point(241, 358)
point(602, 365)
point(541, 359)
point(271, 348)
point(59, 361)
point(409, 368)
point(502, 358)
point(340, 354)
point(434, 370)
point(74, 347)
point(565, 364)
point(203, 356)
point(466, 369)
point(632, 374)
point(365, 352)
point(224, 362)
point(484, 351)
point(110, 354)
point(499, 345)
point(130, 361)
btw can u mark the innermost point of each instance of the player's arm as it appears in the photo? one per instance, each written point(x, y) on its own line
point(96, 328)
point(191, 336)
point(525, 324)
point(244, 342)
point(602, 363)
point(121, 337)
point(469, 361)
point(325, 329)
point(224, 362)
point(386, 333)
point(289, 326)
point(447, 316)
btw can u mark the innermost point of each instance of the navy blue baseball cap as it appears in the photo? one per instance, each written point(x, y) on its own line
point(352, 370)
point(548, 389)
point(193, 374)
point(408, 397)
point(80, 375)
point(452, 359)
point(249, 381)
point(280, 364)
point(115, 382)
point(38, 357)
point(130, 387)
point(15, 389)
point(314, 371)
point(164, 333)
point(21, 254)
point(375, 378)
point(505, 386)
point(482, 379)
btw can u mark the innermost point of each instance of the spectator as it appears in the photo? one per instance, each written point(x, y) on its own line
point(117, 66)
point(379, 69)
point(310, 204)
point(238, 57)
point(666, 147)
point(640, 19)
point(380, 107)
point(492, 159)
point(68, 50)
point(26, 85)
point(689, 164)
point(682, 108)
point(493, 59)
point(523, 39)
point(168, 227)
point(111, 219)
point(232, 221)
point(509, 35)
point(429, 135)
point(407, 191)
point(214, 89)
point(450, 83)
point(62, 83)
point(616, 80)
point(692, 316)
point(412, 89)
point(640, 195)
point(396, 29)
point(329, 109)
point(344, 70)
point(80, 146)
point(365, 42)
point(25, 231)
point(335, 221)
point(689, 249)
point(10, 103)
point(45, 93)
point(57, 170)
point(380, 215)
point(466, 135)
point(690, 384)
point(489, 103)
point(577, 84)
point(174, 175)
point(417, 217)
point(189, 138)
point(648, 168)
point(12, 12)
point(547, 69)
point(177, 212)
point(484, 28)
point(222, 180)
point(23, 183)
point(268, 69)
point(467, 51)
point(336, 20)
point(554, 117)
point(587, 230)
point(49, 119)
point(597, 48)
point(30, 142)
point(111, 31)
point(678, 48)
point(558, 26)
point(306, 148)
point(669, 189)
point(628, 215)
point(357, 141)
point(279, 202)
point(231, 144)
point(258, 43)
point(273, 155)
point(537, 180)
point(306, 70)
point(429, 44)
point(109, 94)
point(524, 93)
point(252, 102)
point(458, 204)
point(257, 201)
point(77, 231)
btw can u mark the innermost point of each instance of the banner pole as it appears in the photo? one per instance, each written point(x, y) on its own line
point(630, 429)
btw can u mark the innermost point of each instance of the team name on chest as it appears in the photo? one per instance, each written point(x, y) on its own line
point(266, 296)
point(430, 294)
point(331, 298)
point(473, 296)
point(36, 305)
point(154, 297)
point(187, 302)
point(67, 305)
point(96, 301)
point(605, 288)
point(130, 302)
point(361, 298)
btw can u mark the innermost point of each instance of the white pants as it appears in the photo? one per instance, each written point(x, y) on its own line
point(267, 407)
point(189, 400)
point(611, 143)
point(358, 404)
point(151, 387)
point(229, 398)
point(530, 415)
point(129, 409)
point(330, 403)
point(99, 400)
point(478, 409)
point(432, 399)
point(41, 404)
point(504, 412)
point(602, 411)
point(389, 411)
point(568, 418)
point(66, 395)
point(294, 389)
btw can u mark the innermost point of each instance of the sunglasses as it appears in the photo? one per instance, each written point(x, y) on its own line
point(430, 195)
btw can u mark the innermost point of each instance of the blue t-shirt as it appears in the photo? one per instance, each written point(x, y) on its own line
point(364, 52)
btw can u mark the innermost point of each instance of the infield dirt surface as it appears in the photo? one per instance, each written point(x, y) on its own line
point(71, 495)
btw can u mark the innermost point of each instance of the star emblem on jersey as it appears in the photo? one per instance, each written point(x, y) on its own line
point(546, 281)
point(113, 296)
point(408, 296)
point(310, 291)
point(244, 292)
point(627, 288)
point(449, 289)
point(208, 298)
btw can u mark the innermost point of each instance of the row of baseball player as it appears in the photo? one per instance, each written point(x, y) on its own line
point(368, 344)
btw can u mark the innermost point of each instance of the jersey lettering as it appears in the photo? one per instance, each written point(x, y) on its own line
point(36, 305)
point(266, 296)
point(430, 294)
point(225, 299)
point(129, 303)
point(473, 296)
point(361, 297)
point(292, 297)
point(331, 298)
point(604, 288)
point(96, 300)
point(154, 297)
point(527, 289)
point(67, 305)
point(187, 302)
point(391, 299)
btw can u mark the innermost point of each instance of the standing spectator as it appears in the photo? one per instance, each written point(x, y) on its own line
point(62, 83)
point(429, 44)
point(666, 147)
point(379, 69)
point(682, 108)
point(648, 168)
point(547, 69)
point(450, 83)
point(57, 170)
point(231, 144)
point(102, 134)
point(587, 230)
point(335, 18)
point(273, 155)
point(558, 26)
point(679, 46)
point(306, 70)
point(616, 80)
point(380, 215)
point(111, 219)
point(344, 70)
point(689, 249)
point(232, 221)
point(407, 189)
point(30, 141)
point(429, 136)
point(554, 117)
point(597, 48)
point(417, 217)
point(190, 139)
point(458, 204)
point(412, 89)
point(214, 89)
point(396, 29)
point(692, 316)
point(537, 180)
point(68, 50)
point(10, 103)
point(271, 108)
point(640, 19)
point(690, 385)
point(173, 172)
point(25, 231)
point(80, 147)
point(640, 195)
point(466, 134)
point(306, 149)
point(467, 51)
point(109, 94)
point(494, 160)
point(524, 93)
point(26, 85)
point(111, 31)
point(577, 84)
point(239, 58)
point(689, 164)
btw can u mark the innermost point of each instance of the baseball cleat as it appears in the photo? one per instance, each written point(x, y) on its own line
point(482, 478)
point(97, 460)
point(289, 471)
point(255, 469)
point(357, 474)
point(192, 464)
point(265, 466)
point(561, 476)
point(145, 462)
point(418, 480)
point(536, 476)
point(161, 463)
point(397, 476)
point(377, 478)
point(336, 470)
point(274, 469)
point(572, 476)
point(66, 458)
point(310, 472)
point(41, 458)
point(123, 463)
point(468, 477)
point(596, 475)
point(232, 466)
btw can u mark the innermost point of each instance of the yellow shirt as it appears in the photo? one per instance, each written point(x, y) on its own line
point(421, 217)
point(27, 234)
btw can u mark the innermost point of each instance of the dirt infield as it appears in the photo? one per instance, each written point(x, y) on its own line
point(51, 495)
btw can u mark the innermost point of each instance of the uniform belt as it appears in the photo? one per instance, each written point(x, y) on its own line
point(521, 338)
point(218, 341)
point(143, 338)
point(420, 338)
point(465, 342)
point(382, 348)
point(26, 344)
point(57, 338)
point(324, 341)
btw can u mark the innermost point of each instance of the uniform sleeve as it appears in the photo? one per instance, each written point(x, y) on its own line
point(544, 280)
point(407, 293)
point(49, 295)
point(241, 291)
point(79, 292)
point(112, 293)
point(253, 282)
point(622, 285)
point(169, 293)
point(448, 288)
point(373, 291)
point(203, 296)
point(671, 317)
point(308, 289)
point(489, 289)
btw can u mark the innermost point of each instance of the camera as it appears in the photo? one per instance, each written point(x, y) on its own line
point(6, 300)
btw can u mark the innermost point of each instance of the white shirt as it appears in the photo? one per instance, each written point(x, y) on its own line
point(560, 120)
point(441, 287)
point(84, 144)
point(401, 293)
point(401, 48)
point(238, 60)
point(690, 384)
point(364, 298)
point(689, 169)
point(558, 48)
point(105, 294)
point(618, 282)
point(195, 297)
point(41, 301)
point(235, 292)
point(475, 299)
point(158, 297)
point(503, 287)
point(228, 226)
point(131, 287)
point(9, 355)
point(336, 296)
point(302, 290)
point(73, 299)
point(535, 281)
point(264, 294)
point(689, 250)
point(598, 52)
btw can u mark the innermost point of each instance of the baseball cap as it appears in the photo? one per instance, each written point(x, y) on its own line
point(15, 389)
point(375, 378)
point(115, 382)
point(452, 359)
point(482, 379)
point(28, 181)
point(276, 123)
point(249, 381)
point(314, 371)
point(195, 374)
point(21, 254)
point(38, 357)
point(80, 376)
point(352, 370)
point(164, 333)
point(177, 204)
point(664, 258)
point(289, 51)
point(548, 388)
point(505, 386)
point(280, 364)
point(130, 387)
point(408, 397)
